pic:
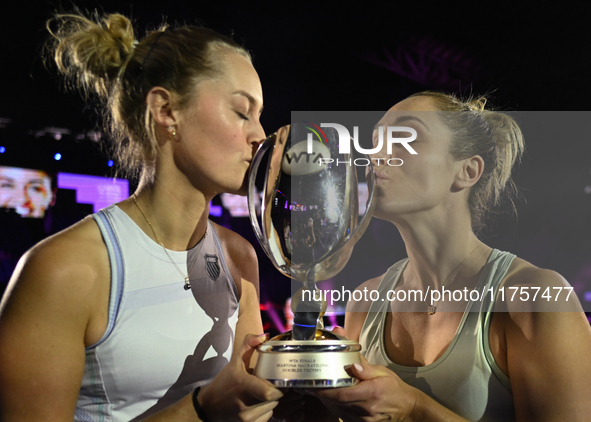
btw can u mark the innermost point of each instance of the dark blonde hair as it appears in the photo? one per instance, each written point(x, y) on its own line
point(101, 55)
point(494, 136)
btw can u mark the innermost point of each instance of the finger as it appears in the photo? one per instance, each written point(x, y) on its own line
point(350, 396)
point(249, 344)
point(259, 390)
point(363, 360)
point(365, 371)
point(289, 396)
point(328, 394)
point(340, 331)
point(264, 418)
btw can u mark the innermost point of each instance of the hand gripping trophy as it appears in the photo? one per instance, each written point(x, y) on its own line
point(309, 210)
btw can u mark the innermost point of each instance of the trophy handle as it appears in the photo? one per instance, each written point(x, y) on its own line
point(267, 238)
point(256, 162)
point(371, 204)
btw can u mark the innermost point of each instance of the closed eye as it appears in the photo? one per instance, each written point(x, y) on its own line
point(242, 116)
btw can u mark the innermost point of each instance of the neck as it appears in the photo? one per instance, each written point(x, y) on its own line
point(178, 213)
point(442, 251)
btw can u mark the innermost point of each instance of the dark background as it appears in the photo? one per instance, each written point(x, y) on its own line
point(332, 56)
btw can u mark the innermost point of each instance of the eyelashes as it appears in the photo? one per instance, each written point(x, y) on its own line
point(242, 116)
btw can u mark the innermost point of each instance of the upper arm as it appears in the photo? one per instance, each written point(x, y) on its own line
point(43, 320)
point(548, 359)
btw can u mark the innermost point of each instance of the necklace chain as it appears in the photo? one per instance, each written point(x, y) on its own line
point(431, 309)
point(187, 285)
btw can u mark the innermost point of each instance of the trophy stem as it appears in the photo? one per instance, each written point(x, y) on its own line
point(309, 311)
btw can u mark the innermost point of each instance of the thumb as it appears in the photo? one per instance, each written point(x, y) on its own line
point(364, 371)
point(249, 344)
point(339, 331)
point(363, 360)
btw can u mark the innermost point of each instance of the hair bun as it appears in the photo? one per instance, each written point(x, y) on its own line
point(494, 136)
point(121, 30)
point(92, 51)
point(477, 104)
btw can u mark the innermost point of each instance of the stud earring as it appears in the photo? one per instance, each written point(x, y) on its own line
point(172, 131)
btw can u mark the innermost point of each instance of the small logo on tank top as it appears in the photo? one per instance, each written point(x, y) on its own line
point(212, 267)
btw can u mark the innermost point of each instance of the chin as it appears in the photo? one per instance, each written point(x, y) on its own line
point(242, 190)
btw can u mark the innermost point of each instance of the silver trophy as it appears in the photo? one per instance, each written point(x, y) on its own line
point(309, 208)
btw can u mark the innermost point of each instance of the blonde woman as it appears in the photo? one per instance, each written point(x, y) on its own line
point(461, 359)
point(141, 311)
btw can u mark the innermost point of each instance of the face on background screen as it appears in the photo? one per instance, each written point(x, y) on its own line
point(25, 190)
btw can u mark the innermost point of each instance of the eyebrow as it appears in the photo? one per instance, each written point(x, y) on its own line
point(403, 119)
point(250, 98)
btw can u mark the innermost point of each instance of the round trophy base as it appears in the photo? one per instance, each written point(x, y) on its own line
point(318, 363)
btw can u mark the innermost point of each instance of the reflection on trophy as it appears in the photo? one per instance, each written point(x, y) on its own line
point(309, 224)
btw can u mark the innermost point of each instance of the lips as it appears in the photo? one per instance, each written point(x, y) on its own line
point(380, 175)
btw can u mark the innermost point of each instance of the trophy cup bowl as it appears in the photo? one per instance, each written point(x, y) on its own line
point(309, 211)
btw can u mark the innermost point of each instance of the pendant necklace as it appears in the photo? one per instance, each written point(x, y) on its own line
point(431, 309)
point(187, 285)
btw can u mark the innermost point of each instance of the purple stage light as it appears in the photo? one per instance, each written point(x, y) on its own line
point(98, 191)
point(215, 210)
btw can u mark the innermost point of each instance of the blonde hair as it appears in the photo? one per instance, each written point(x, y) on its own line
point(100, 55)
point(494, 136)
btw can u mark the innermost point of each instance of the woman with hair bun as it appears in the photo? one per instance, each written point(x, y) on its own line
point(132, 313)
point(463, 357)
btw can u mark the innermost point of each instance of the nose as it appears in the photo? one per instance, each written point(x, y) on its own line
point(21, 202)
point(257, 136)
point(16, 199)
point(381, 154)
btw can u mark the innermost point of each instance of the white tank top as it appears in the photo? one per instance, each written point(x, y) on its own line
point(466, 379)
point(161, 341)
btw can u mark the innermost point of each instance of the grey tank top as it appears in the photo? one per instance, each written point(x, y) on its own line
point(466, 379)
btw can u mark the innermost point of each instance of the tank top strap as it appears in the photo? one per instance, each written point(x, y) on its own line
point(104, 221)
point(501, 262)
point(389, 282)
point(372, 327)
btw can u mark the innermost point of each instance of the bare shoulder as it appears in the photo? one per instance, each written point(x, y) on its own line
point(543, 339)
point(55, 305)
point(523, 273)
point(240, 257)
point(78, 250)
point(67, 271)
point(527, 288)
